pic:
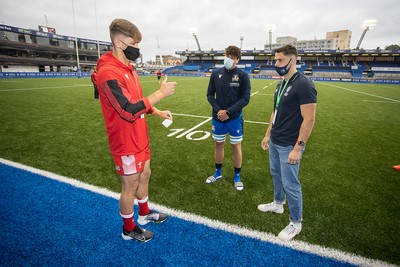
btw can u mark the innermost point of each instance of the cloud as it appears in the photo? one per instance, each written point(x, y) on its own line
point(219, 23)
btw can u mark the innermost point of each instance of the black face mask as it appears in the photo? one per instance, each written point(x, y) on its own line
point(282, 71)
point(131, 53)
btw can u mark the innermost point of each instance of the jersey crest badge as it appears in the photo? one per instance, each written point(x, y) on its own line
point(235, 78)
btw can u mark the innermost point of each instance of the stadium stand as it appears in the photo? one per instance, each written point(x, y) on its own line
point(27, 50)
point(32, 51)
point(349, 65)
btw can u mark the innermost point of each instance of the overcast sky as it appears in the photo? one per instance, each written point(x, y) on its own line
point(219, 23)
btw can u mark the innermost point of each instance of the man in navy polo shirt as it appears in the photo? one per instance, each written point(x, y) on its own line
point(228, 93)
point(291, 123)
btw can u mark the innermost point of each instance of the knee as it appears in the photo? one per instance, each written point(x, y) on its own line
point(219, 145)
point(145, 176)
point(237, 147)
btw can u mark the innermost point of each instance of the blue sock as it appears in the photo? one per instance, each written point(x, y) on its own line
point(236, 177)
point(218, 170)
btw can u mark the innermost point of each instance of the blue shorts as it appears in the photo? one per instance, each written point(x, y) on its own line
point(233, 127)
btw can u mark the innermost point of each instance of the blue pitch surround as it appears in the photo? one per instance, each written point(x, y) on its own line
point(48, 223)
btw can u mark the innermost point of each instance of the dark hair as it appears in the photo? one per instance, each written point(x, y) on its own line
point(233, 51)
point(125, 27)
point(287, 50)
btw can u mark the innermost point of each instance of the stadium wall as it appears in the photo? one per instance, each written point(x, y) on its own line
point(87, 74)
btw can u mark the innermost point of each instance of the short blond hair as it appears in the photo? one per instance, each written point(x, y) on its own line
point(125, 27)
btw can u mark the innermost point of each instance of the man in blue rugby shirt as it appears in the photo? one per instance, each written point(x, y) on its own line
point(228, 93)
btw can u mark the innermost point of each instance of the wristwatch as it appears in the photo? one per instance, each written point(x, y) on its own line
point(301, 143)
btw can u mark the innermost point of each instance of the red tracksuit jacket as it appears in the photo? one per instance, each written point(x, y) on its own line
point(123, 106)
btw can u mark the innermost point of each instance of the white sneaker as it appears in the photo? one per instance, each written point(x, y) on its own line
point(271, 207)
point(290, 231)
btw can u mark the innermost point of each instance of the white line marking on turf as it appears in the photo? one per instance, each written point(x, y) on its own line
point(193, 128)
point(269, 85)
point(188, 115)
point(44, 88)
point(231, 228)
point(207, 117)
point(377, 101)
point(254, 94)
point(355, 91)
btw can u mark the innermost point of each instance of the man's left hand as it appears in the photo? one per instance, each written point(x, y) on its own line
point(294, 156)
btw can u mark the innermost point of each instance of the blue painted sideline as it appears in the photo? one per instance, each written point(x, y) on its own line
point(48, 223)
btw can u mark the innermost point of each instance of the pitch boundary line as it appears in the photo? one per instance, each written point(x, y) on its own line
point(231, 228)
point(355, 91)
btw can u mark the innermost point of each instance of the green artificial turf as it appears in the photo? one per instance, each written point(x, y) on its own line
point(350, 190)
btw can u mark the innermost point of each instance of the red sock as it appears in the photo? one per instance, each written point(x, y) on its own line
point(129, 224)
point(143, 206)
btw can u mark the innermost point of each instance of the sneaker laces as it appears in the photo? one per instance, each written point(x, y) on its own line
point(290, 229)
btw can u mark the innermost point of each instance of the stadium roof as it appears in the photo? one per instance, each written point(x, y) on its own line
point(372, 52)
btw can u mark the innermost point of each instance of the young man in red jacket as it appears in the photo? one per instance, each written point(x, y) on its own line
point(124, 109)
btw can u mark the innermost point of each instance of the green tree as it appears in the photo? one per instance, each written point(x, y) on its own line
point(392, 47)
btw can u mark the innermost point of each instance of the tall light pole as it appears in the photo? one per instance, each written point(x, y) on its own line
point(367, 25)
point(270, 28)
point(159, 50)
point(76, 41)
point(194, 32)
point(97, 35)
point(241, 42)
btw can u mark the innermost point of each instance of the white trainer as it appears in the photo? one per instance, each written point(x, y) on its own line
point(290, 231)
point(271, 207)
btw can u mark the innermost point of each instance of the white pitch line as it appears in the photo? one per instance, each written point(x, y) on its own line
point(188, 115)
point(257, 122)
point(231, 228)
point(268, 85)
point(194, 128)
point(359, 92)
point(254, 94)
point(43, 88)
point(207, 117)
point(377, 101)
point(12, 82)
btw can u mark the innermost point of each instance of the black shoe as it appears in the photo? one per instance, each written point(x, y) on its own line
point(138, 234)
point(156, 217)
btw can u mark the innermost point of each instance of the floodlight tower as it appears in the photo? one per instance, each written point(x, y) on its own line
point(241, 42)
point(159, 50)
point(270, 28)
point(76, 41)
point(194, 32)
point(367, 25)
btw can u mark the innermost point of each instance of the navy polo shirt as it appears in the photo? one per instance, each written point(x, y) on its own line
point(299, 91)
